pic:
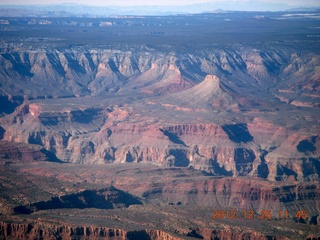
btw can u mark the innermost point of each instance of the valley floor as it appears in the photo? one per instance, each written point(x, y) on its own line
point(169, 203)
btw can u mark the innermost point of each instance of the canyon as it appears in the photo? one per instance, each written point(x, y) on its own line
point(122, 134)
point(166, 118)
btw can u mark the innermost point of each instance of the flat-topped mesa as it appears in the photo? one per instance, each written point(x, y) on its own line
point(35, 110)
point(210, 85)
point(172, 66)
point(154, 65)
point(67, 231)
point(212, 78)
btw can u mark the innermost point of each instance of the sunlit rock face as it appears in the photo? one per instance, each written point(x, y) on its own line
point(89, 71)
point(145, 127)
point(209, 110)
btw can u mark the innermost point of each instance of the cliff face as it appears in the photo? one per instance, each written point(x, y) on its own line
point(85, 71)
point(51, 186)
point(216, 111)
point(49, 231)
point(107, 198)
point(82, 72)
point(71, 201)
point(23, 152)
point(228, 193)
point(99, 135)
point(181, 115)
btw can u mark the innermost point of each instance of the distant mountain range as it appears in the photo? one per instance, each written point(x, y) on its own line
point(72, 9)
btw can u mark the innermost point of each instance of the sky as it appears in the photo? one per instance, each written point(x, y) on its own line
point(152, 2)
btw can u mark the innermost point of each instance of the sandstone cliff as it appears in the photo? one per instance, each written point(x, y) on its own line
point(49, 231)
point(106, 135)
point(88, 71)
point(216, 111)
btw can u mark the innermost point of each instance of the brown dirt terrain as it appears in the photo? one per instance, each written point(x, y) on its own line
point(131, 201)
point(201, 132)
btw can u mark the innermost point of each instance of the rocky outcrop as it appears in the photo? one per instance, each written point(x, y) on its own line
point(238, 193)
point(99, 135)
point(211, 92)
point(107, 198)
point(51, 193)
point(9, 103)
point(214, 110)
point(50, 231)
point(21, 152)
point(91, 71)
point(190, 122)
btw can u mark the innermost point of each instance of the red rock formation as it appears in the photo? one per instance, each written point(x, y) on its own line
point(259, 148)
point(21, 152)
point(50, 231)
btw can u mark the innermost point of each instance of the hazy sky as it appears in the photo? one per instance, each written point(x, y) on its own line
point(153, 2)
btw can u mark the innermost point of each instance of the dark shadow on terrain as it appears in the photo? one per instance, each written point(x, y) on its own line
point(263, 154)
point(180, 158)
point(270, 63)
point(8, 106)
point(151, 193)
point(51, 156)
point(23, 69)
point(129, 157)
point(85, 116)
point(109, 157)
point(308, 167)
point(107, 198)
point(2, 131)
point(91, 63)
point(114, 67)
point(56, 64)
point(74, 64)
point(316, 164)
point(189, 69)
point(243, 159)
point(49, 121)
point(22, 210)
point(305, 146)
point(263, 170)
point(314, 220)
point(238, 132)
point(35, 138)
point(221, 171)
point(237, 60)
point(143, 235)
point(194, 234)
point(286, 193)
point(282, 170)
point(173, 138)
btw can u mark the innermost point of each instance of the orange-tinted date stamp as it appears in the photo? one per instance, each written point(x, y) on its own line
point(250, 214)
